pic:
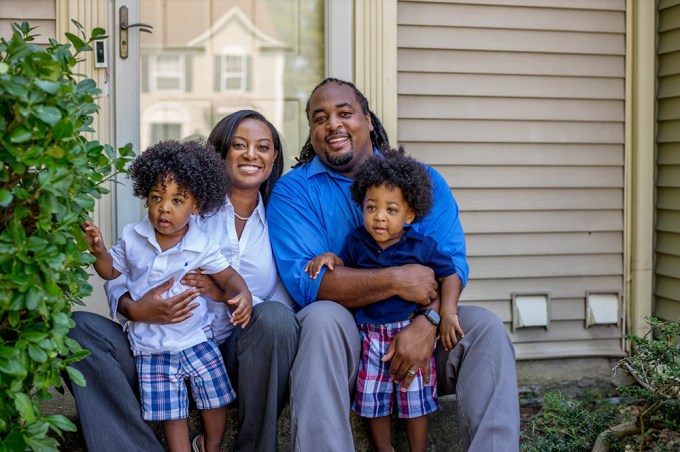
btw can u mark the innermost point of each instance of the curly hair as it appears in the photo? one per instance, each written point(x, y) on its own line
point(193, 165)
point(395, 169)
point(378, 134)
point(222, 137)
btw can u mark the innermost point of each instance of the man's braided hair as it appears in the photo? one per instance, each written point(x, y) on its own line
point(378, 134)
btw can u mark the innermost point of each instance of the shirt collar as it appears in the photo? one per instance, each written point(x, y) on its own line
point(259, 211)
point(361, 233)
point(316, 166)
point(193, 240)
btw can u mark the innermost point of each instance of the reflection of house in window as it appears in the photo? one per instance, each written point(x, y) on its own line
point(164, 121)
point(232, 71)
point(167, 72)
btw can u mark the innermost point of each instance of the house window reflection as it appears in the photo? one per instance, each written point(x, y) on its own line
point(234, 72)
point(167, 72)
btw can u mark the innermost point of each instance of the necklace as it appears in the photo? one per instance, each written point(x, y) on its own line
point(242, 218)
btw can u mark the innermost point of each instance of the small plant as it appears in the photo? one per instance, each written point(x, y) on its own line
point(565, 425)
point(655, 365)
point(50, 176)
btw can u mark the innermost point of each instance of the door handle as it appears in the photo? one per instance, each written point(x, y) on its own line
point(123, 33)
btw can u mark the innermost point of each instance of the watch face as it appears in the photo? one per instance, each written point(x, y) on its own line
point(433, 316)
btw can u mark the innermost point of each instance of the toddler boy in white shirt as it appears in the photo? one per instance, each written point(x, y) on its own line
point(177, 180)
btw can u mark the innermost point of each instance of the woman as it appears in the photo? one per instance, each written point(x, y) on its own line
point(258, 357)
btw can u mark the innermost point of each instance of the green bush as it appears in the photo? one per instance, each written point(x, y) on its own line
point(50, 178)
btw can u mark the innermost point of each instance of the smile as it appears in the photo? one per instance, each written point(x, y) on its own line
point(249, 168)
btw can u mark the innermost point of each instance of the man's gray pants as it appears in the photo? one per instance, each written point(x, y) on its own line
point(480, 370)
point(258, 359)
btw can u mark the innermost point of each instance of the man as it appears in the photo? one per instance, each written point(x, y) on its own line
point(311, 212)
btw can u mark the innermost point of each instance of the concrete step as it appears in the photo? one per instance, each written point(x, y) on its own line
point(443, 428)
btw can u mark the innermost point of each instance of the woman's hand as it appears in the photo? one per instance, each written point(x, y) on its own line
point(205, 284)
point(153, 308)
point(410, 350)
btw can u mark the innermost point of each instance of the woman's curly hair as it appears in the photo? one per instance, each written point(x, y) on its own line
point(193, 165)
point(395, 169)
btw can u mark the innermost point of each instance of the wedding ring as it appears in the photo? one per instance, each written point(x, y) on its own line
point(412, 372)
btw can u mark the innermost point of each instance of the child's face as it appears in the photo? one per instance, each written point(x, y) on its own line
point(385, 213)
point(170, 208)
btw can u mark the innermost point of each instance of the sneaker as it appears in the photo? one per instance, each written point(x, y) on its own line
point(197, 443)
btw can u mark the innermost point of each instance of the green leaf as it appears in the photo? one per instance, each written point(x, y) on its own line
point(50, 115)
point(60, 422)
point(36, 353)
point(63, 129)
point(24, 406)
point(50, 87)
point(76, 376)
point(5, 198)
point(76, 41)
point(20, 135)
point(4, 67)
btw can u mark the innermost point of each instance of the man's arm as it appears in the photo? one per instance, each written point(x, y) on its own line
point(354, 288)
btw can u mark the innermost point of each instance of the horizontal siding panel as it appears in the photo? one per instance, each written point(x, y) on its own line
point(450, 15)
point(668, 309)
point(569, 349)
point(545, 199)
point(669, 109)
point(512, 63)
point(661, 5)
point(669, 42)
point(669, 86)
point(668, 265)
point(532, 177)
point(547, 266)
point(668, 288)
point(17, 10)
point(542, 221)
point(559, 309)
point(421, 37)
point(510, 131)
point(669, 131)
point(668, 154)
point(668, 64)
point(45, 28)
point(481, 290)
point(571, 4)
point(668, 220)
point(671, 243)
point(510, 86)
point(669, 198)
point(555, 154)
point(669, 19)
point(489, 245)
point(453, 107)
point(565, 331)
point(668, 176)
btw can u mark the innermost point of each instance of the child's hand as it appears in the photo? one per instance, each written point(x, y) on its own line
point(448, 329)
point(314, 266)
point(242, 305)
point(94, 239)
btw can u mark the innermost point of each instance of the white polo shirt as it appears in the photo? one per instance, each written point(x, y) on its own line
point(251, 257)
point(138, 256)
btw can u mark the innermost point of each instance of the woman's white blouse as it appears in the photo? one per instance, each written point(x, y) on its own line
point(251, 257)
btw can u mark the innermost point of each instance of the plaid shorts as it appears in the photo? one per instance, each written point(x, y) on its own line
point(376, 389)
point(161, 381)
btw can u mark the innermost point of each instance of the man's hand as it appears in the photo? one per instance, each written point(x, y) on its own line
point(416, 283)
point(153, 308)
point(411, 349)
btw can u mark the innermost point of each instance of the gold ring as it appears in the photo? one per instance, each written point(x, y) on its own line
point(412, 372)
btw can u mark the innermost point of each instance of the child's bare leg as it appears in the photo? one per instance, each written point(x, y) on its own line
point(381, 432)
point(416, 433)
point(214, 425)
point(177, 435)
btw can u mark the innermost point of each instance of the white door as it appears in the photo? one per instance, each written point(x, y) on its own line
point(204, 59)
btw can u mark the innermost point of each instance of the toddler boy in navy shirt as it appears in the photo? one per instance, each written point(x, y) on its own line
point(394, 190)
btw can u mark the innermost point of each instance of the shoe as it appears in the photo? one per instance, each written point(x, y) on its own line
point(197, 443)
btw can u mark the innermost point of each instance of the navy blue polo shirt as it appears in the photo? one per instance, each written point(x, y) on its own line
point(361, 251)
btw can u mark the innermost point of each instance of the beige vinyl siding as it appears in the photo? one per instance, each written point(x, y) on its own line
point(520, 105)
point(667, 249)
point(39, 13)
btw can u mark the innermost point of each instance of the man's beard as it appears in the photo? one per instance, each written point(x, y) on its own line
point(340, 160)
